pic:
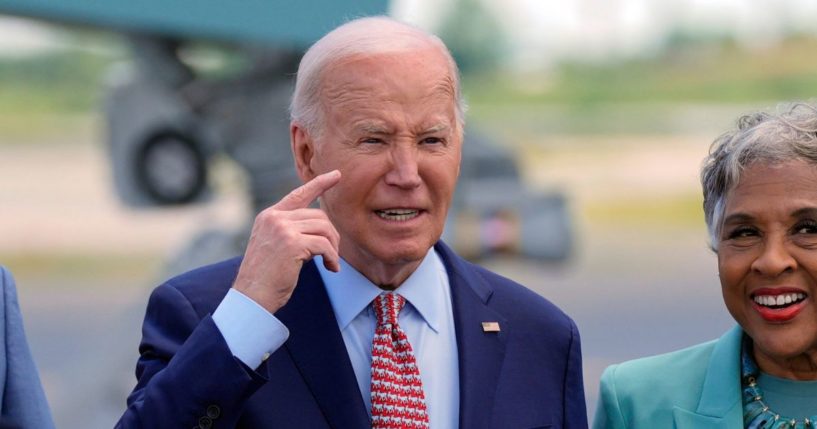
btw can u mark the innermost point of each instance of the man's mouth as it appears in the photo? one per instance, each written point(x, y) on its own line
point(779, 301)
point(398, 215)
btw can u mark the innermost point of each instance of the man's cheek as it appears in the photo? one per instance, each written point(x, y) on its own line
point(337, 198)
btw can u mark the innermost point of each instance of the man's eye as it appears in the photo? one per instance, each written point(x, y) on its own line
point(432, 140)
point(371, 140)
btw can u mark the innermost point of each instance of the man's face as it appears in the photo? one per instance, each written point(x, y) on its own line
point(389, 126)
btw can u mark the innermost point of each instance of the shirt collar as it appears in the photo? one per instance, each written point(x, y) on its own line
point(351, 293)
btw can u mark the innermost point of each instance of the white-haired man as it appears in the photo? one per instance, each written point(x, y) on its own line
point(355, 314)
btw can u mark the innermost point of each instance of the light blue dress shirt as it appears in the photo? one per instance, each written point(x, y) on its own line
point(427, 319)
point(251, 332)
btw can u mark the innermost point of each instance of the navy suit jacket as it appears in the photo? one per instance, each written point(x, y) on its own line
point(528, 375)
point(22, 401)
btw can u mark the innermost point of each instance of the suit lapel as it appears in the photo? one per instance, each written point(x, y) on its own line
point(688, 420)
point(720, 405)
point(480, 353)
point(317, 348)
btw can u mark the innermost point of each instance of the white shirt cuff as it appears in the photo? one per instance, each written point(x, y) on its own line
point(252, 333)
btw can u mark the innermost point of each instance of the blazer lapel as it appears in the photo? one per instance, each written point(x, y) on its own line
point(720, 405)
point(317, 348)
point(480, 353)
point(688, 420)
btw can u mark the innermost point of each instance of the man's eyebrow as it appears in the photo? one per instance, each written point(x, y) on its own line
point(372, 128)
point(435, 129)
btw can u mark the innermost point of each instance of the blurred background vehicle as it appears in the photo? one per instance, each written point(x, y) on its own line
point(611, 103)
point(167, 119)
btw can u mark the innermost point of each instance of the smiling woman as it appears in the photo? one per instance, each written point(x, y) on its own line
point(767, 259)
point(760, 202)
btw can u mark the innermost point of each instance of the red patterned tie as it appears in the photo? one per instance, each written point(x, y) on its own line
point(397, 392)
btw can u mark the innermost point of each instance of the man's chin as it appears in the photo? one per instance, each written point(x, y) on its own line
point(396, 250)
point(398, 255)
point(387, 258)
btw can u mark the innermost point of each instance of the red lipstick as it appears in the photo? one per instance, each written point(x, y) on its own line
point(778, 315)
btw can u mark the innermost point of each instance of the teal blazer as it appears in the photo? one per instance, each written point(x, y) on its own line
point(694, 388)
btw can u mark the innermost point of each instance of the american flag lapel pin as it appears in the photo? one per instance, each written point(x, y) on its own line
point(490, 326)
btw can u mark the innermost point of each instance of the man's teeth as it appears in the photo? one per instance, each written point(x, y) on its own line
point(779, 300)
point(397, 214)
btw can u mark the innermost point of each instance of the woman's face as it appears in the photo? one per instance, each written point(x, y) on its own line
point(767, 260)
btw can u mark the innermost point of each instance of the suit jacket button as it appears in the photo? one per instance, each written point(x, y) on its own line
point(205, 423)
point(213, 411)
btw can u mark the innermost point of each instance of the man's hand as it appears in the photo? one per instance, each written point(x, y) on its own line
point(283, 237)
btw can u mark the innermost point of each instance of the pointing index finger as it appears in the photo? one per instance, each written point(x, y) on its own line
point(303, 195)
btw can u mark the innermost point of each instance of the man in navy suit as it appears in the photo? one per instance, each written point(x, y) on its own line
point(282, 338)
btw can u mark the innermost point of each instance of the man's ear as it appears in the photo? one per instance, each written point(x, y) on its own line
point(303, 150)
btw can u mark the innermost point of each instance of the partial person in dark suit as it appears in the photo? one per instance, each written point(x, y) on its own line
point(22, 401)
point(355, 315)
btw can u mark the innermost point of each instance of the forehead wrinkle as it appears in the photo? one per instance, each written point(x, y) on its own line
point(337, 95)
point(350, 90)
point(337, 90)
point(445, 86)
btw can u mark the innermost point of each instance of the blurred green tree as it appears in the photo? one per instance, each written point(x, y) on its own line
point(474, 36)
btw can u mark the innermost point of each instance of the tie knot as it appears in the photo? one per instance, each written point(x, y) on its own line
point(387, 306)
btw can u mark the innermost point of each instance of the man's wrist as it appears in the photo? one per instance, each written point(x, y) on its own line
point(251, 332)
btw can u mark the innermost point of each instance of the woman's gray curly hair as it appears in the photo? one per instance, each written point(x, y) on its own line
point(761, 137)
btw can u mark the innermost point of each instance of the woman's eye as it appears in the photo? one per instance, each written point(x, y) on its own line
point(742, 232)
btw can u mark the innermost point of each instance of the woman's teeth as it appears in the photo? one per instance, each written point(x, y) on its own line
point(397, 214)
point(777, 301)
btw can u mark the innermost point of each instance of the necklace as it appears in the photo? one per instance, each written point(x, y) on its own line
point(756, 414)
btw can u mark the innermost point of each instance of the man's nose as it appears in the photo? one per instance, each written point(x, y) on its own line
point(775, 258)
point(404, 167)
